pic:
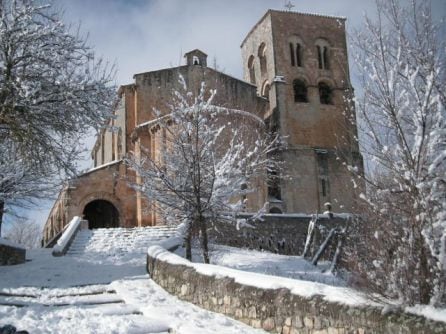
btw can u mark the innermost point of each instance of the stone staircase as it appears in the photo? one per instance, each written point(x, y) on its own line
point(101, 303)
point(87, 295)
point(118, 241)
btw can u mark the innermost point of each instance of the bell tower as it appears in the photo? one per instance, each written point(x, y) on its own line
point(299, 64)
point(196, 58)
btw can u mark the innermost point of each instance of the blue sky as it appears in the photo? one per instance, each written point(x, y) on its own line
point(145, 35)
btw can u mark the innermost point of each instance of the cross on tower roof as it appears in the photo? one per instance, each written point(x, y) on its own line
point(289, 5)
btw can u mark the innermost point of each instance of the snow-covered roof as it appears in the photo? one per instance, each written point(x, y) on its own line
point(211, 107)
point(195, 51)
point(101, 167)
point(151, 122)
point(185, 66)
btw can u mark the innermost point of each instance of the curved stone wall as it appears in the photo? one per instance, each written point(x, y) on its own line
point(279, 310)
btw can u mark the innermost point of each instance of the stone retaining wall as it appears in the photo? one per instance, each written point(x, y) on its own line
point(280, 311)
point(282, 234)
point(11, 255)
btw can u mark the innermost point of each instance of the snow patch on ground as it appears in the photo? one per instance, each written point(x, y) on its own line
point(295, 267)
point(44, 270)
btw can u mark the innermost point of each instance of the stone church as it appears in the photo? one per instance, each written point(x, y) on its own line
point(296, 77)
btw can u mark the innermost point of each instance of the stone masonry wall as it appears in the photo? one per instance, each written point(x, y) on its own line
point(280, 311)
point(282, 234)
point(11, 255)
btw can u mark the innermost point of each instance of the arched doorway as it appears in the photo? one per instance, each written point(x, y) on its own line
point(101, 214)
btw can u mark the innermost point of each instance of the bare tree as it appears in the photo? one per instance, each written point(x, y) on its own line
point(401, 245)
point(211, 159)
point(25, 232)
point(52, 89)
point(20, 184)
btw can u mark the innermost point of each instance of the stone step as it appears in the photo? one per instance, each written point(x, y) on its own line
point(63, 301)
point(117, 241)
point(99, 291)
point(123, 235)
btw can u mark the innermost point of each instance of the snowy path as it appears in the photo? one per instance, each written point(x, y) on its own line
point(102, 290)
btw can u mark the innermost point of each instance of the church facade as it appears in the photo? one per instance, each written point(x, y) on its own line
point(296, 78)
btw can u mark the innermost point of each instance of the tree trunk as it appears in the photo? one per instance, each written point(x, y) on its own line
point(426, 277)
point(204, 239)
point(2, 207)
point(188, 243)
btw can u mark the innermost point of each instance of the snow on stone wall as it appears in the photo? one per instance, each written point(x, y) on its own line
point(67, 237)
point(11, 253)
point(276, 308)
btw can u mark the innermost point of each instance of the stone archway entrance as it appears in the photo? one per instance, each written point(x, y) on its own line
point(101, 214)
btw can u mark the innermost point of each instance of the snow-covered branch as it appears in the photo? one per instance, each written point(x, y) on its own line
point(52, 87)
point(207, 161)
point(402, 117)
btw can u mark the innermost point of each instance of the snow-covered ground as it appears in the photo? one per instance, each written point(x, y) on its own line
point(109, 291)
point(267, 263)
point(88, 293)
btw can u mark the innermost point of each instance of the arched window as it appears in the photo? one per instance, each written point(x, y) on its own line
point(296, 51)
point(324, 187)
point(323, 50)
point(299, 50)
point(196, 60)
point(265, 89)
point(113, 134)
point(325, 93)
point(325, 58)
point(323, 171)
point(274, 185)
point(319, 57)
point(300, 91)
point(102, 147)
point(113, 146)
point(292, 55)
point(262, 57)
point(119, 144)
point(252, 73)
